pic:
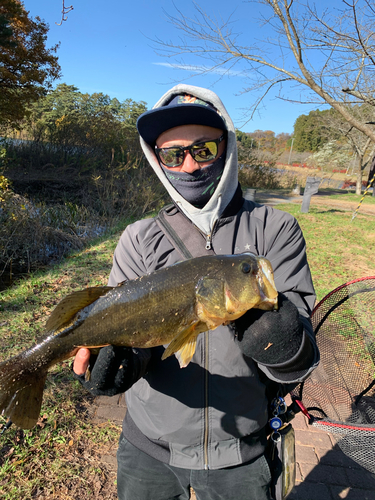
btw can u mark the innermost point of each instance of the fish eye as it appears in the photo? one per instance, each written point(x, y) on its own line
point(245, 267)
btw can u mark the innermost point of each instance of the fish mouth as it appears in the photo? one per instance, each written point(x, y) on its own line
point(267, 287)
point(267, 303)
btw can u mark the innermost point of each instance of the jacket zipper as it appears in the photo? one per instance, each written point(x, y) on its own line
point(206, 410)
point(206, 360)
point(209, 237)
point(208, 241)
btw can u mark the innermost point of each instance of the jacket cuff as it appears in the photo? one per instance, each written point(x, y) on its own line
point(298, 367)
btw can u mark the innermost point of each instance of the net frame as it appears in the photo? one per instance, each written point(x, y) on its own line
point(340, 394)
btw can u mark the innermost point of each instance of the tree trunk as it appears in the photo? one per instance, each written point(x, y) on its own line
point(358, 187)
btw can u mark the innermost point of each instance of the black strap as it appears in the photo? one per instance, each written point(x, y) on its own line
point(182, 233)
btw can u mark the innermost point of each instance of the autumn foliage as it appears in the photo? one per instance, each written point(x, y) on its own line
point(27, 66)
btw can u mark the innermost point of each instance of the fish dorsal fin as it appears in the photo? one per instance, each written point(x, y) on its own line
point(68, 307)
point(187, 338)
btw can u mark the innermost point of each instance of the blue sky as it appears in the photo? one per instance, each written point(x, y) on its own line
point(106, 47)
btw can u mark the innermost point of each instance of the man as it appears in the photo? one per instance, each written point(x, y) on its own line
point(204, 426)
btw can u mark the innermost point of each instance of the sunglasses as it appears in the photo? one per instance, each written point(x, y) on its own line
point(199, 151)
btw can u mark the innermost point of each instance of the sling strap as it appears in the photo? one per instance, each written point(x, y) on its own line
point(182, 233)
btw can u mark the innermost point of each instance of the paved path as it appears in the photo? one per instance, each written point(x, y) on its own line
point(323, 471)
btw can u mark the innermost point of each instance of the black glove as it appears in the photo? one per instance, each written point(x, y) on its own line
point(110, 371)
point(270, 337)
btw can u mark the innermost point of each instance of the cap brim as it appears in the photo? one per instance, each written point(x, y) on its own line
point(156, 121)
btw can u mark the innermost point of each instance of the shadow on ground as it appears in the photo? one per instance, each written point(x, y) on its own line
point(334, 477)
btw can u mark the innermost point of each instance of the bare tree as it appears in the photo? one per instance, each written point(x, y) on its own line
point(361, 146)
point(326, 57)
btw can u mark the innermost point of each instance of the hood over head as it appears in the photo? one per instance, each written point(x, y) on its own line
point(183, 105)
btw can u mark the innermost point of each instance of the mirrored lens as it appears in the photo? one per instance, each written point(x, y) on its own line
point(204, 152)
point(172, 157)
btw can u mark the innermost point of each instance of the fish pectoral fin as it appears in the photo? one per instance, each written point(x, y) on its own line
point(232, 305)
point(185, 354)
point(68, 307)
point(186, 338)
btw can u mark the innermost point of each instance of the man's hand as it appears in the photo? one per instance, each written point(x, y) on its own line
point(81, 361)
point(270, 337)
point(109, 373)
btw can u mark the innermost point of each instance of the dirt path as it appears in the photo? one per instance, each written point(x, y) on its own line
point(321, 199)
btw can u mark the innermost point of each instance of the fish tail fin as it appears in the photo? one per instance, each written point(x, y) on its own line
point(21, 391)
point(183, 346)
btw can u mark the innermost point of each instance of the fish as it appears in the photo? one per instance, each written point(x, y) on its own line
point(169, 307)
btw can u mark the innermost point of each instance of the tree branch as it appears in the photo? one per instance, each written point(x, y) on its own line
point(65, 11)
point(341, 49)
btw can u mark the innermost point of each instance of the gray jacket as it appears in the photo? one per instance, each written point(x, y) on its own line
point(213, 413)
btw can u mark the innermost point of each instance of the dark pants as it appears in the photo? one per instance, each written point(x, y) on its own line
point(140, 477)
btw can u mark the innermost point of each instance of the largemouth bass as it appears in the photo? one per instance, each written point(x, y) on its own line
point(170, 306)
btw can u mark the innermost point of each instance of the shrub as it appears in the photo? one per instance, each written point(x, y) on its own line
point(34, 232)
point(265, 175)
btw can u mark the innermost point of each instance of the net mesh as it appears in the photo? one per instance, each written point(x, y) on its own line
point(340, 393)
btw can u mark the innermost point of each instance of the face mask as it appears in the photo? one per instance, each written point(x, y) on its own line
point(197, 187)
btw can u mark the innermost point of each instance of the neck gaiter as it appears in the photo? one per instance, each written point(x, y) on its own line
point(197, 187)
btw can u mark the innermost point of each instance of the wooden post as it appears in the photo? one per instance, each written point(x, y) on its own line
point(312, 187)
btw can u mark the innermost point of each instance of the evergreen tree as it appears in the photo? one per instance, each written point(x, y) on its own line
point(311, 131)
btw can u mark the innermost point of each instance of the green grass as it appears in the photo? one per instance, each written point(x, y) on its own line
point(63, 447)
point(338, 249)
point(60, 457)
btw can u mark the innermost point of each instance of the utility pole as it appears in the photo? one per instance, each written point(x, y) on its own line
point(290, 153)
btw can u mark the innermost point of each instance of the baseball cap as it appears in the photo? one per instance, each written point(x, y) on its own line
point(183, 109)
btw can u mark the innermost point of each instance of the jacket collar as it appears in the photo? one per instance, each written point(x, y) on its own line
point(235, 205)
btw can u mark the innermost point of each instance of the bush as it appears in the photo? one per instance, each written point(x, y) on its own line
point(34, 232)
point(265, 175)
point(72, 170)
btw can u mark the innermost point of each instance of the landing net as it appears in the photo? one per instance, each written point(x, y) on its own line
point(340, 394)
